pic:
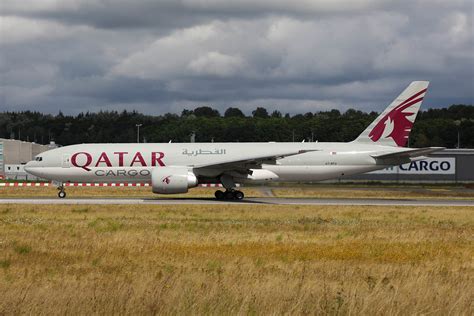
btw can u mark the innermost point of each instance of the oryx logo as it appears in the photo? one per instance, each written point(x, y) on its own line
point(166, 180)
point(398, 122)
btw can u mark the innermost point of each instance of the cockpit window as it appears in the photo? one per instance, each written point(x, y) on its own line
point(39, 158)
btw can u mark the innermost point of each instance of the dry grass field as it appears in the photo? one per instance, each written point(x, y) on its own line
point(214, 259)
point(377, 192)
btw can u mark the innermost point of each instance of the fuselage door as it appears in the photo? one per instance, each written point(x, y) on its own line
point(66, 162)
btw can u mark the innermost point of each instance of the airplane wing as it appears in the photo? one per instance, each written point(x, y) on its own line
point(408, 153)
point(251, 162)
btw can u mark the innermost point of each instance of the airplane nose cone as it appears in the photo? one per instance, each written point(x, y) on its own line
point(35, 168)
point(29, 167)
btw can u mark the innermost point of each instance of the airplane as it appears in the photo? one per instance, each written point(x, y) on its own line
point(173, 168)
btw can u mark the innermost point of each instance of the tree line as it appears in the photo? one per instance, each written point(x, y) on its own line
point(433, 127)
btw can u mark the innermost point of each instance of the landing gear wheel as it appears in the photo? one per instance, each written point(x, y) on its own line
point(229, 195)
point(238, 195)
point(219, 195)
point(61, 194)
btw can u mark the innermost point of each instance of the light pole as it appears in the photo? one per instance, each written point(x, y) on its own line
point(138, 132)
point(458, 127)
point(459, 139)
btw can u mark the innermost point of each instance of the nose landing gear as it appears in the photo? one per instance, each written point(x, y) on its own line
point(61, 193)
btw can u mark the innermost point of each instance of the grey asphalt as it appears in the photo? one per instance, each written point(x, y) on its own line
point(265, 200)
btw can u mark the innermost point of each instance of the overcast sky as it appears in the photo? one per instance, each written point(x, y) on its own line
point(159, 56)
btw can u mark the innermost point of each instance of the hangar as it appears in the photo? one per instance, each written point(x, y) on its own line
point(446, 166)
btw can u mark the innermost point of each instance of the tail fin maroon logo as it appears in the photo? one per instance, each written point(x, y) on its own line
point(397, 120)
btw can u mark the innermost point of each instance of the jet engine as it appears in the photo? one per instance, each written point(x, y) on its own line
point(171, 180)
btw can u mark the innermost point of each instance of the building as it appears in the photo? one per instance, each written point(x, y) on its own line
point(14, 154)
point(445, 166)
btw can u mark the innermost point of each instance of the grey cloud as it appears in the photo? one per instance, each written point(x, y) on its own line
point(294, 56)
point(176, 13)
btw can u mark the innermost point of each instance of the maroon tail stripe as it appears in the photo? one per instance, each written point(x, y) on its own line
point(407, 105)
point(412, 97)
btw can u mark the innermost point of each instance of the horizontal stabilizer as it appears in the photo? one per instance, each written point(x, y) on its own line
point(408, 153)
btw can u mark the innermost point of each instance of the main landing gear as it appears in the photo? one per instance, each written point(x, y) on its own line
point(61, 193)
point(229, 195)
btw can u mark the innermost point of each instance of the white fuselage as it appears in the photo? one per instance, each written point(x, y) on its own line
point(135, 162)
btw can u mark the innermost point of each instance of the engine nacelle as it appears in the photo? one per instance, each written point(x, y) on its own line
point(172, 180)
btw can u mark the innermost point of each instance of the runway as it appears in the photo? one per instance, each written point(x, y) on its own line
point(249, 201)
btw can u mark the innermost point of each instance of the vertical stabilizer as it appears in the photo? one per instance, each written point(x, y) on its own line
point(393, 126)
